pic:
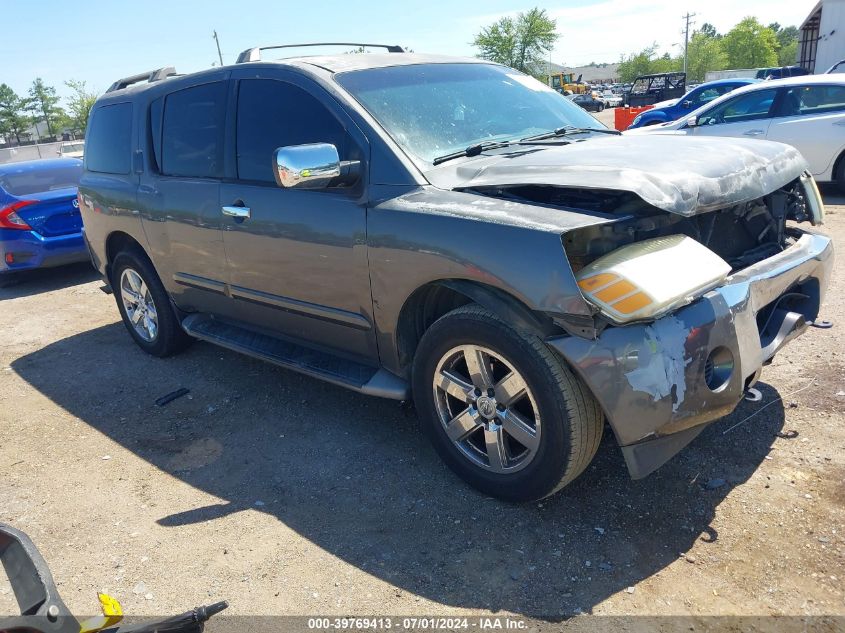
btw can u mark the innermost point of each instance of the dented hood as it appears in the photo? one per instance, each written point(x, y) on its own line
point(682, 175)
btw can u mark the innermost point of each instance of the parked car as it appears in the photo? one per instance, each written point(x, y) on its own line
point(805, 112)
point(40, 225)
point(589, 102)
point(781, 72)
point(694, 99)
point(454, 231)
point(611, 99)
point(72, 149)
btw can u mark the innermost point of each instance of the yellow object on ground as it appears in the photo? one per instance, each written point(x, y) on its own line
point(112, 614)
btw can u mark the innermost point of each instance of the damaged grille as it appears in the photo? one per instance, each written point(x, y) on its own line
point(741, 235)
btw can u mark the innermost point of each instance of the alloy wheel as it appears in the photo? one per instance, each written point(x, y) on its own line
point(487, 409)
point(139, 305)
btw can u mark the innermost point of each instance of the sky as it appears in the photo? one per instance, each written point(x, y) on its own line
point(100, 41)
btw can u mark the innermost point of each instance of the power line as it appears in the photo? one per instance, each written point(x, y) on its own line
point(687, 21)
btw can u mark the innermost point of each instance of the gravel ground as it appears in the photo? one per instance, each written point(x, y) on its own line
point(286, 495)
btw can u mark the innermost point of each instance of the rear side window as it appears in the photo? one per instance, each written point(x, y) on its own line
point(192, 131)
point(813, 100)
point(25, 181)
point(274, 114)
point(108, 147)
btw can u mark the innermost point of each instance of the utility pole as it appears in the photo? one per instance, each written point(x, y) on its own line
point(220, 55)
point(686, 35)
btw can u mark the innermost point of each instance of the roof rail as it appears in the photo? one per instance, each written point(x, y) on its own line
point(254, 54)
point(150, 76)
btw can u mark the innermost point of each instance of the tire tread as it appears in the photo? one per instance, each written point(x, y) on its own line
point(586, 419)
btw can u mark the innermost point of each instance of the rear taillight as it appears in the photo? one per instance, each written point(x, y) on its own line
point(9, 218)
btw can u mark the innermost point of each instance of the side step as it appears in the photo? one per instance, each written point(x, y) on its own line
point(305, 360)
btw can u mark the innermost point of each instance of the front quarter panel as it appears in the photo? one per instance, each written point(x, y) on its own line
point(652, 116)
point(422, 235)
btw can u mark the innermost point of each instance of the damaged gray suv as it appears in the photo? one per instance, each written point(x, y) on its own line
point(454, 231)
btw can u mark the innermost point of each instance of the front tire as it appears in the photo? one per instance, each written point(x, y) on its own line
point(500, 407)
point(145, 306)
point(839, 176)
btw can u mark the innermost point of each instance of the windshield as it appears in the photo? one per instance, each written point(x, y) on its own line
point(73, 147)
point(435, 109)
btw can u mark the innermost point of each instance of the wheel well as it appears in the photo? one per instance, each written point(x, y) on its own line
point(421, 310)
point(118, 242)
point(432, 301)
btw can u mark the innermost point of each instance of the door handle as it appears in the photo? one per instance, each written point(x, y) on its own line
point(840, 122)
point(753, 133)
point(236, 212)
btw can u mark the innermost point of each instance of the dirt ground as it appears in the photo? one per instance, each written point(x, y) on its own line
point(286, 495)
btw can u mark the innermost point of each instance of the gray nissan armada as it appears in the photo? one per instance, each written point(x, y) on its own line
point(452, 230)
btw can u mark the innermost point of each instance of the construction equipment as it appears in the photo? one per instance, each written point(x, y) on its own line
point(565, 83)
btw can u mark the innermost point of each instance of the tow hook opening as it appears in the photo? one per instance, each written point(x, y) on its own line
point(718, 368)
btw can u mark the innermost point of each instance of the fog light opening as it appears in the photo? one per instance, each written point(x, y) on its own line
point(718, 368)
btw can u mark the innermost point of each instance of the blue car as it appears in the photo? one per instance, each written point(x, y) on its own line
point(40, 225)
point(676, 108)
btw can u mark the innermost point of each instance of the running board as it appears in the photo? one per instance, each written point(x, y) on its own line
point(305, 360)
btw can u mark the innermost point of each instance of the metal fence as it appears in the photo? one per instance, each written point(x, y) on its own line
point(29, 152)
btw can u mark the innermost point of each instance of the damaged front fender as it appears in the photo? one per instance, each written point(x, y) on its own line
point(660, 382)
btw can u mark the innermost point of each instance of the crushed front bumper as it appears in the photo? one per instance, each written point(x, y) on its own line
point(651, 379)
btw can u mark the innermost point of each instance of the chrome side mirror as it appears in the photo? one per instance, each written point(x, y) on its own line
point(692, 121)
point(310, 166)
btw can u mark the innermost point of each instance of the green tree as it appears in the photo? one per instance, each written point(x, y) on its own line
point(666, 64)
point(709, 30)
point(79, 104)
point(522, 42)
point(787, 39)
point(636, 64)
point(12, 119)
point(704, 53)
point(788, 54)
point(750, 45)
point(44, 104)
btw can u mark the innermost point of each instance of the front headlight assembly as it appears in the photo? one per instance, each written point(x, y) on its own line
point(647, 279)
point(815, 204)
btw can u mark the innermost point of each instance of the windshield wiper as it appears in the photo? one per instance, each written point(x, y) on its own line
point(565, 131)
point(475, 150)
point(472, 150)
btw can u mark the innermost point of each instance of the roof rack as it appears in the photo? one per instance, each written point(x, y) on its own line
point(149, 76)
point(254, 54)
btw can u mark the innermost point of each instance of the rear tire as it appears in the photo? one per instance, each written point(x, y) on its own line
point(145, 306)
point(515, 423)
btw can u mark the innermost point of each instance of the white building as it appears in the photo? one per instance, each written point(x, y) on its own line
point(822, 37)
